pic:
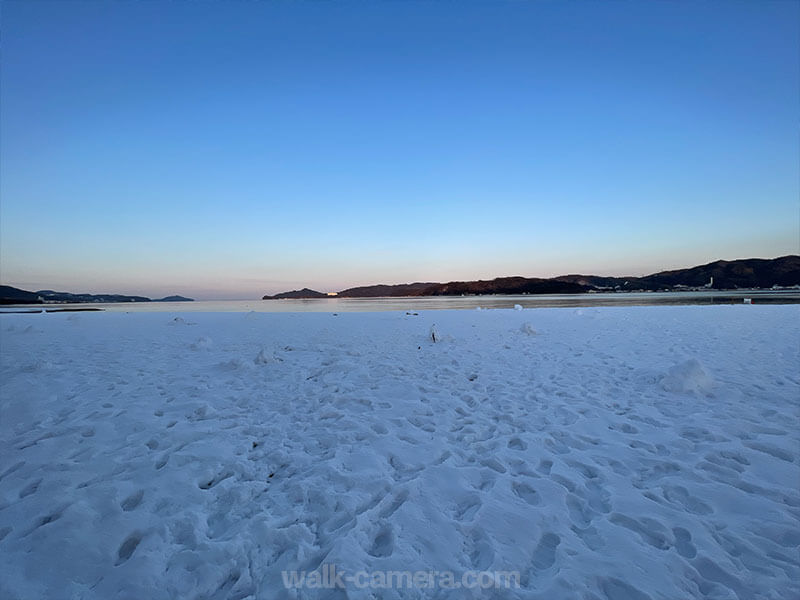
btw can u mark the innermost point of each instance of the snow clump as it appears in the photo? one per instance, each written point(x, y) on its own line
point(688, 377)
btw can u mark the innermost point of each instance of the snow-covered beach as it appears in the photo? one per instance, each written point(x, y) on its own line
point(601, 453)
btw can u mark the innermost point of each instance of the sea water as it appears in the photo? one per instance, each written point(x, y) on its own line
point(334, 304)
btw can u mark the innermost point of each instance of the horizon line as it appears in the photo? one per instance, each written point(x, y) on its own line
point(333, 293)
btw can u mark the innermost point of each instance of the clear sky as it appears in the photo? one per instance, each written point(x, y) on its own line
point(228, 150)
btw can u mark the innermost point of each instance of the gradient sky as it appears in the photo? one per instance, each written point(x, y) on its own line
point(228, 150)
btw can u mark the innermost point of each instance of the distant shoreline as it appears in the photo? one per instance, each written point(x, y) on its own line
point(11, 295)
point(336, 306)
point(743, 274)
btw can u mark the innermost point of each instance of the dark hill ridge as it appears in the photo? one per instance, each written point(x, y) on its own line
point(51, 296)
point(501, 285)
point(745, 273)
point(752, 272)
point(297, 294)
point(727, 275)
point(383, 290)
point(12, 295)
point(510, 285)
point(173, 299)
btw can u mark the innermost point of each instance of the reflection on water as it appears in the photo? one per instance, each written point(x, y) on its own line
point(440, 302)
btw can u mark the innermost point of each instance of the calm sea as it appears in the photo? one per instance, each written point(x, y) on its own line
point(440, 302)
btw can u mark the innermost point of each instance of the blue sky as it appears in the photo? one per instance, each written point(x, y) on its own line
point(227, 150)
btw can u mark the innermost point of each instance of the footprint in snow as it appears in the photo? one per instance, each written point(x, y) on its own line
point(383, 544)
point(614, 589)
point(579, 513)
point(210, 483)
point(487, 480)
point(651, 531)
point(128, 547)
point(46, 520)
point(597, 496)
point(31, 488)
point(683, 542)
point(395, 504)
point(132, 501)
point(544, 556)
point(517, 444)
point(589, 536)
point(676, 494)
point(467, 508)
point(481, 554)
point(526, 493)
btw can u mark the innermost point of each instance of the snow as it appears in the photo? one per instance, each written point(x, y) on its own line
point(689, 377)
point(603, 453)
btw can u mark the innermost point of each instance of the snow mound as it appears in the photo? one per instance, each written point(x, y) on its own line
point(265, 358)
point(688, 377)
point(517, 307)
point(528, 329)
point(203, 343)
point(36, 365)
point(235, 364)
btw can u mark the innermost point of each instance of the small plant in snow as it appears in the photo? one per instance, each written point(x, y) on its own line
point(180, 321)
